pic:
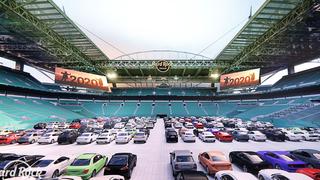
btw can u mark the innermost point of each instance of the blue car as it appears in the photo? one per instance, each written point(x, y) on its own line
point(282, 160)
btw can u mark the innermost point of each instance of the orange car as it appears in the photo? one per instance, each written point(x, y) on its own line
point(214, 161)
point(224, 137)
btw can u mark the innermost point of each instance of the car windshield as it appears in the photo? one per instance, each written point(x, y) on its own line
point(118, 160)
point(140, 134)
point(122, 134)
point(218, 158)
point(85, 134)
point(184, 159)
point(254, 158)
point(317, 155)
point(47, 135)
point(81, 162)
point(287, 157)
point(42, 163)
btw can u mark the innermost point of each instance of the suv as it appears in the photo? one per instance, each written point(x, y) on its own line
point(182, 160)
point(171, 136)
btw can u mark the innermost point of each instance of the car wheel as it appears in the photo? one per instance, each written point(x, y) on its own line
point(93, 173)
point(33, 141)
point(55, 174)
point(52, 141)
point(261, 178)
point(244, 168)
point(277, 166)
point(310, 166)
point(208, 171)
point(304, 138)
point(230, 158)
point(13, 142)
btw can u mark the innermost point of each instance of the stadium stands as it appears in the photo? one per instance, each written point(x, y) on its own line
point(16, 78)
point(161, 92)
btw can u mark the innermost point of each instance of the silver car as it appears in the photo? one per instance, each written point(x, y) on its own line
point(182, 160)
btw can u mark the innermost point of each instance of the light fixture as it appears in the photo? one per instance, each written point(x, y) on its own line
point(112, 75)
point(214, 75)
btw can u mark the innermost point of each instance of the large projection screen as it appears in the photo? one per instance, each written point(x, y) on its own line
point(240, 79)
point(81, 79)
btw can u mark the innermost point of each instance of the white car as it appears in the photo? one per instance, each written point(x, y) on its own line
point(188, 136)
point(140, 137)
point(105, 137)
point(149, 125)
point(290, 136)
point(63, 125)
point(189, 125)
point(274, 174)
point(49, 138)
point(53, 125)
point(257, 136)
point(207, 137)
point(108, 177)
point(50, 166)
point(123, 137)
point(5, 132)
point(119, 126)
point(178, 125)
point(86, 138)
point(234, 175)
point(307, 136)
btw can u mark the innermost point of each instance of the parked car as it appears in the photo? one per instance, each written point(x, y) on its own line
point(234, 175)
point(121, 164)
point(50, 166)
point(105, 137)
point(224, 137)
point(307, 136)
point(290, 136)
point(75, 125)
point(182, 160)
point(240, 136)
point(257, 136)
point(214, 161)
point(311, 172)
point(86, 138)
point(191, 175)
point(40, 126)
point(52, 125)
point(207, 137)
point(123, 137)
point(140, 137)
point(108, 177)
point(171, 136)
point(189, 125)
point(273, 174)
point(29, 138)
point(309, 156)
point(49, 138)
point(178, 125)
point(9, 138)
point(86, 165)
point(149, 125)
point(275, 135)
point(68, 137)
point(248, 161)
point(282, 160)
point(5, 132)
point(188, 137)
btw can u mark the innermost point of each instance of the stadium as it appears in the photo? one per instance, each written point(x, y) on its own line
point(75, 106)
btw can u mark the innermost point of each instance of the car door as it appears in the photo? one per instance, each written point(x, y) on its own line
point(272, 158)
point(62, 162)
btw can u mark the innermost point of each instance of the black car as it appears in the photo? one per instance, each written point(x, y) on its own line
point(240, 136)
point(191, 175)
point(167, 125)
point(274, 135)
point(309, 156)
point(40, 126)
point(68, 137)
point(17, 163)
point(248, 161)
point(121, 164)
point(196, 132)
point(171, 136)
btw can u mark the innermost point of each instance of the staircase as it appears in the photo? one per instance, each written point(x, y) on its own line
point(284, 114)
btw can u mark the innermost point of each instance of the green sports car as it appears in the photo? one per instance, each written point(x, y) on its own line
point(86, 165)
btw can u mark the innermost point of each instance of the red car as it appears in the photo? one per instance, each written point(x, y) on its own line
point(313, 173)
point(223, 136)
point(9, 138)
point(198, 125)
point(75, 125)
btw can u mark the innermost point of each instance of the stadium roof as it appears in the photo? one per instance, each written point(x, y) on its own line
point(281, 33)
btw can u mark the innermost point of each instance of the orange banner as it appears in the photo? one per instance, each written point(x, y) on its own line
point(81, 79)
point(240, 79)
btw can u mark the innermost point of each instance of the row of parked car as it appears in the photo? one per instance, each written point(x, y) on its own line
point(188, 131)
point(301, 164)
point(85, 166)
point(82, 132)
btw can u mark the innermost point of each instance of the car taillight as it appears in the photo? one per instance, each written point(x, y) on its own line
point(124, 168)
point(85, 171)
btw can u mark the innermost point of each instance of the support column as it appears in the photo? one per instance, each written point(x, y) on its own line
point(19, 66)
point(291, 69)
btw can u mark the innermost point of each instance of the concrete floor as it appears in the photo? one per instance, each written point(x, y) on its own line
point(153, 156)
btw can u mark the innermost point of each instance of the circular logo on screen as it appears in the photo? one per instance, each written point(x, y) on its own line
point(163, 65)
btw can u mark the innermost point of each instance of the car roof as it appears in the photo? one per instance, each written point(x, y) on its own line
point(122, 154)
point(86, 156)
point(309, 150)
point(243, 175)
point(215, 153)
point(182, 152)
